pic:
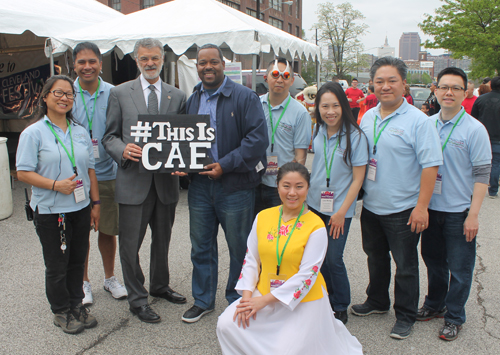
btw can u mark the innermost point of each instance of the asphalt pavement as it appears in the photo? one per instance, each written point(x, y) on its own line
point(26, 320)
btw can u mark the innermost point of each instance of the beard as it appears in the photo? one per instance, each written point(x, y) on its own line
point(150, 76)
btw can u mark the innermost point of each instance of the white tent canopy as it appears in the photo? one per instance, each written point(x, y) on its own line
point(180, 24)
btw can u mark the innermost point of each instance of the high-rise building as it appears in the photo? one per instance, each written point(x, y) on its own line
point(386, 50)
point(409, 46)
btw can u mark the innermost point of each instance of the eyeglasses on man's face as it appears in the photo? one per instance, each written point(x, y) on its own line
point(454, 89)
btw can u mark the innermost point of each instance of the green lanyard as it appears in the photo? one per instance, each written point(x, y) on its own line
point(274, 128)
point(375, 136)
point(90, 119)
point(72, 156)
point(449, 135)
point(280, 258)
point(329, 168)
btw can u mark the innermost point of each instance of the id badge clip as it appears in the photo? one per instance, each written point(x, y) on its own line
point(95, 147)
point(275, 281)
point(439, 185)
point(372, 169)
point(272, 165)
point(327, 200)
point(79, 191)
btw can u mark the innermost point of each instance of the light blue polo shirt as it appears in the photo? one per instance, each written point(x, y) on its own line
point(341, 173)
point(408, 144)
point(105, 166)
point(39, 151)
point(293, 132)
point(468, 146)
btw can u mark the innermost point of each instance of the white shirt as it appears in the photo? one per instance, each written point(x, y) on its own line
point(145, 89)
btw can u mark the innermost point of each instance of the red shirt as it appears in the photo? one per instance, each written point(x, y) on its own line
point(468, 103)
point(371, 101)
point(354, 95)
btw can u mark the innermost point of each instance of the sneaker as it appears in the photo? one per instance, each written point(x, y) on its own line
point(194, 314)
point(341, 316)
point(87, 290)
point(365, 309)
point(82, 314)
point(68, 323)
point(117, 290)
point(400, 331)
point(425, 314)
point(493, 196)
point(449, 331)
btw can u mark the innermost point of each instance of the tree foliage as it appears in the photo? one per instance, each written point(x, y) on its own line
point(467, 28)
point(339, 29)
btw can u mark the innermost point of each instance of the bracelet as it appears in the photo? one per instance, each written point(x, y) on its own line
point(53, 185)
point(96, 202)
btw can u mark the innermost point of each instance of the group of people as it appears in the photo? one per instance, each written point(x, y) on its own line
point(286, 228)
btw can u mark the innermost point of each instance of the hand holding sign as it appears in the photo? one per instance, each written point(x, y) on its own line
point(132, 152)
point(215, 171)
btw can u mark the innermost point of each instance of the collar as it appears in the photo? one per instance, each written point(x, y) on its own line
point(145, 84)
point(400, 111)
point(454, 119)
point(281, 105)
point(219, 89)
point(76, 84)
point(46, 118)
point(323, 131)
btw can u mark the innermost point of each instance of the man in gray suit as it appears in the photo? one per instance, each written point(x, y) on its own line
point(143, 198)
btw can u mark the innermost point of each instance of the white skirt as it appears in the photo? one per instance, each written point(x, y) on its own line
point(310, 328)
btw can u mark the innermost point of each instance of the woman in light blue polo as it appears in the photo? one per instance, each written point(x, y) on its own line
point(338, 171)
point(55, 156)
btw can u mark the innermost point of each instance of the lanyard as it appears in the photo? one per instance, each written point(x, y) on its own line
point(329, 168)
point(375, 136)
point(274, 128)
point(280, 258)
point(72, 156)
point(449, 135)
point(90, 119)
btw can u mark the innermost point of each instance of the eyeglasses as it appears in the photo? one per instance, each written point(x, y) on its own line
point(454, 89)
point(275, 73)
point(60, 93)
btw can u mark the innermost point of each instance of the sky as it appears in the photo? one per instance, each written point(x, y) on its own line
point(385, 17)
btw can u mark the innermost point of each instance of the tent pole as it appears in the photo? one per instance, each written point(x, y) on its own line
point(318, 78)
point(254, 71)
point(49, 49)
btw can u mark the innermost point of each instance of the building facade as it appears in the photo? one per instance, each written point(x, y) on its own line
point(386, 50)
point(409, 46)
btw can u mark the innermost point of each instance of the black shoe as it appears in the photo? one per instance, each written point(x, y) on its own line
point(365, 309)
point(146, 313)
point(194, 314)
point(341, 316)
point(425, 314)
point(170, 295)
point(400, 331)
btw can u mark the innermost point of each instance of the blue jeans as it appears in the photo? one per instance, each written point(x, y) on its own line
point(333, 268)
point(495, 169)
point(210, 206)
point(444, 250)
point(266, 197)
point(390, 234)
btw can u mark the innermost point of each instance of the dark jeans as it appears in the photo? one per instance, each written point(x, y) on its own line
point(266, 197)
point(64, 271)
point(333, 268)
point(495, 169)
point(444, 250)
point(381, 235)
point(355, 112)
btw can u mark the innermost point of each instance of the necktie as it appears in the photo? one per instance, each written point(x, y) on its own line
point(152, 101)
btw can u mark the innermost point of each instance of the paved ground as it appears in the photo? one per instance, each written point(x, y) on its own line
point(27, 328)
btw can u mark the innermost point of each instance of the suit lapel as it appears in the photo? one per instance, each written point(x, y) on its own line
point(165, 98)
point(138, 96)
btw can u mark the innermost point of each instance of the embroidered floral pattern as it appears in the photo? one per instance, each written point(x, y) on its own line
point(284, 230)
point(306, 284)
point(241, 276)
point(270, 237)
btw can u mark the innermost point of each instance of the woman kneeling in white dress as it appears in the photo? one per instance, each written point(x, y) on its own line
point(284, 308)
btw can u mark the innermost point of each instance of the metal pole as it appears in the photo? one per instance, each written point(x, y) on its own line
point(318, 78)
point(254, 71)
point(257, 11)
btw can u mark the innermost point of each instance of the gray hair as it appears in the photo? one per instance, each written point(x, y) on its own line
point(148, 43)
point(389, 61)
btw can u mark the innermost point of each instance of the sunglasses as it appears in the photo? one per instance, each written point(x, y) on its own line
point(275, 73)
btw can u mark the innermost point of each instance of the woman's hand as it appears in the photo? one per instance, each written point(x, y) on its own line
point(66, 186)
point(337, 225)
point(242, 315)
point(251, 306)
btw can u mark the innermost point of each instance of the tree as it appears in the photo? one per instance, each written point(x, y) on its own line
point(467, 28)
point(338, 29)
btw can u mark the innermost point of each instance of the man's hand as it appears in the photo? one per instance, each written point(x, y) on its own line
point(471, 227)
point(419, 219)
point(215, 171)
point(132, 152)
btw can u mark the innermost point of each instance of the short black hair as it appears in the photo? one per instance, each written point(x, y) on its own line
point(87, 45)
point(389, 61)
point(354, 79)
point(453, 71)
point(486, 80)
point(426, 105)
point(280, 60)
point(371, 88)
point(208, 46)
point(293, 167)
point(495, 83)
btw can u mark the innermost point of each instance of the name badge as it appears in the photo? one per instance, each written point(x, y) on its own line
point(439, 184)
point(327, 200)
point(95, 146)
point(79, 191)
point(259, 167)
point(275, 281)
point(372, 169)
point(272, 165)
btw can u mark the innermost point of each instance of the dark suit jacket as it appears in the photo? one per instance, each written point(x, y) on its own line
point(126, 102)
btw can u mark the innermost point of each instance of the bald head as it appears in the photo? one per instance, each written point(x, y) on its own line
point(470, 89)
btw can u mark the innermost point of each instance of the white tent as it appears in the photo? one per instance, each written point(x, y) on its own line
point(180, 24)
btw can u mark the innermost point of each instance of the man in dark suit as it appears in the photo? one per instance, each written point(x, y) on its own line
point(143, 198)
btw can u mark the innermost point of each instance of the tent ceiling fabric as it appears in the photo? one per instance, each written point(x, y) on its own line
point(180, 24)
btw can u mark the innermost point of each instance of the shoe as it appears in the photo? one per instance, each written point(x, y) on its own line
point(493, 196)
point(194, 314)
point(146, 313)
point(365, 309)
point(87, 290)
point(82, 314)
point(341, 316)
point(170, 295)
point(425, 314)
point(68, 323)
point(449, 331)
point(400, 331)
point(117, 290)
